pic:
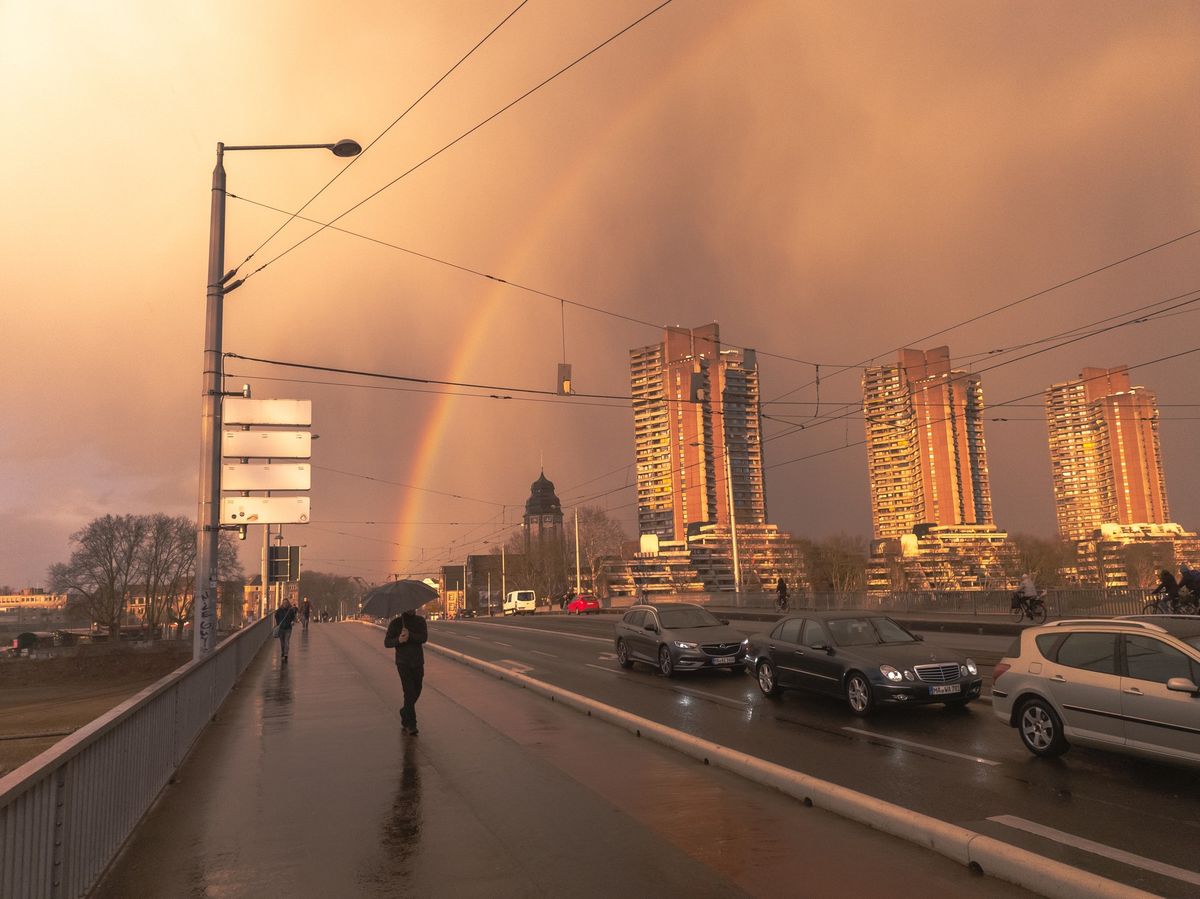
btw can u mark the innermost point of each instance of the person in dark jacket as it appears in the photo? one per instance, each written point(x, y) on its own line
point(1168, 587)
point(285, 617)
point(406, 634)
point(305, 612)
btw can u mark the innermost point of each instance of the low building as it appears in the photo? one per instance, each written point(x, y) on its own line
point(944, 558)
point(1132, 555)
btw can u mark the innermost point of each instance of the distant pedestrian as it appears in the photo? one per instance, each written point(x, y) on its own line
point(406, 634)
point(306, 612)
point(781, 597)
point(285, 617)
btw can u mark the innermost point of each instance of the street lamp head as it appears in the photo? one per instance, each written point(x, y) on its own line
point(346, 148)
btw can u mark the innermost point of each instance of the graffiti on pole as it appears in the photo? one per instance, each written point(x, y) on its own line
point(207, 620)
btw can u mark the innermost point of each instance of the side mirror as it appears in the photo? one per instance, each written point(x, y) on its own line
point(723, 620)
point(918, 638)
point(1182, 685)
point(821, 647)
point(651, 627)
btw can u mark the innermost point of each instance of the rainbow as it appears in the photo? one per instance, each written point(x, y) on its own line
point(525, 246)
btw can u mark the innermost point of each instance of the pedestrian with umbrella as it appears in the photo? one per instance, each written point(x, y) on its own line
point(405, 635)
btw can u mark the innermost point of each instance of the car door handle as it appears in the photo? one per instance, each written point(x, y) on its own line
point(1134, 691)
point(1059, 679)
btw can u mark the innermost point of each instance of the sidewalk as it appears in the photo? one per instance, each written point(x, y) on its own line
point(305, 786)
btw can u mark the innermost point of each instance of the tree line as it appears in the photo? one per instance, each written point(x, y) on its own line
point(115, 557)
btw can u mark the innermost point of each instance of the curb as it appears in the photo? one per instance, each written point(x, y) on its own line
point(985, 854)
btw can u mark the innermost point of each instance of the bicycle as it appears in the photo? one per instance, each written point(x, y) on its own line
point(781, 603)
point(1165, 605)
point(1031, 607)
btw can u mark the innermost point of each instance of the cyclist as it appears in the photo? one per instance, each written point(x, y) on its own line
point(782, 592)
point(1026, 593)
point(1169, 588)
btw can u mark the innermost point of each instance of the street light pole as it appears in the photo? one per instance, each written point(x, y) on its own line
point(208, 518)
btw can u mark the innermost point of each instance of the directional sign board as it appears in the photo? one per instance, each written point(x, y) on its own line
point(266, 444)
point(265, 509)
point(239, 410)
point(260, 476)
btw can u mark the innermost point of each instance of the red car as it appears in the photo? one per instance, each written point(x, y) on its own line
point(583, 604)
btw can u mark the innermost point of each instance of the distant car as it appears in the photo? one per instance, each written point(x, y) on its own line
point(466, 613)
point(1125, 684)
point(520, 602)
point(867, 659)
point(583, 604)
point(676, 636)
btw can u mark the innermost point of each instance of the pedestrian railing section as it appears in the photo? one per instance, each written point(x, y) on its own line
point(1066, 603)
point(65, 814)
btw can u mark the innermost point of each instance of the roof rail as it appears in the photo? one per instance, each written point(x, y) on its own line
point(1107, 622)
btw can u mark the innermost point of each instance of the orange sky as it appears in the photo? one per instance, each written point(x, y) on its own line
point(828, 181)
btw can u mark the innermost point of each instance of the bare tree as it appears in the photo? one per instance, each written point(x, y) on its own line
point(837, 563)
point(102, 567)
point(166, 559)
point(229, 577)
point(1043, 558)
point(600, 538)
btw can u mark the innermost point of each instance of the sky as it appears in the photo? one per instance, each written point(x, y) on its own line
point(828, 181)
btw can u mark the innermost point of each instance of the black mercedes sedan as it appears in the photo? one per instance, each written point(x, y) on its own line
point(866, 658)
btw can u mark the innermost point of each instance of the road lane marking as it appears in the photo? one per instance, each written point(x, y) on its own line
point(607, 657)
point(541, 630)
point(498, 643)
point(924, 746)
point(602, 668)
point(1069, 839)
point(712, 697)
point(549, 654)
point(514, 665)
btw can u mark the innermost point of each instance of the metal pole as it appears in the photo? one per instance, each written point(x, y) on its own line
point(262, 581)
point(576, 550)
point(204, 607)
point(737, 571)
point(489, 594)
point(503, 578)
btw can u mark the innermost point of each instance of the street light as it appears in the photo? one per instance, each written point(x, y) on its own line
point(208, 521)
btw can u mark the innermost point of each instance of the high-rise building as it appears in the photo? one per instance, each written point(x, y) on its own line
point(925, 446)
point(1104, 453)
point(696, 417)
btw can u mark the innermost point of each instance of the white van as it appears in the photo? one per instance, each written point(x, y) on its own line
point(518, 601)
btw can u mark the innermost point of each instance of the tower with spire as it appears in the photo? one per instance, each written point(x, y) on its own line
point(543, 516)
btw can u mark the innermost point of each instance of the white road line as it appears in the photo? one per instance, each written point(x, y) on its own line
point(548, 654)
point(498, 643)
point(540, 630)
point(959, 755)
point(602, 668)
point(1069, 839)
point(712, 697)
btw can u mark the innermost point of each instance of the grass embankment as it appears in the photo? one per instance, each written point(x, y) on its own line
point(43, 700)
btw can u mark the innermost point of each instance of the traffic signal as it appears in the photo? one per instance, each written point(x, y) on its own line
point(283, 564)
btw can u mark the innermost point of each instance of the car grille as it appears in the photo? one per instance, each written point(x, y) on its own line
point(721, 649)
point(936, 674)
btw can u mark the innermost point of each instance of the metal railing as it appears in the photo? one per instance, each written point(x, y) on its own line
point(1072, 603)
point(65, 814)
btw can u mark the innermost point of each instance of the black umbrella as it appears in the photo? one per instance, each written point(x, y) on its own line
point(396, 597)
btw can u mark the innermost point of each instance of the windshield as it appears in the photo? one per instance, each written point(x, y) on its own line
point(867, 631)
point(1192, 641)
point(680, 618)
point(523, 596)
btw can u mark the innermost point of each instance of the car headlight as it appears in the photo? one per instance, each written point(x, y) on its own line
point(972, 668)
point(908, 675)
point(683, 645)
point(890, 673)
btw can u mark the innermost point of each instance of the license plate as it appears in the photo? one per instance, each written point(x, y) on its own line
point(724, 660)
point(944, 689)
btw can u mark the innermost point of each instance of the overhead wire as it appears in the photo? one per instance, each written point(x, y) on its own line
point(381, 134)
point(468, 132)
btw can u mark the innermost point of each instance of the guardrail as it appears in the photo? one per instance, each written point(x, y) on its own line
point(65, 814)
point(1072, 603)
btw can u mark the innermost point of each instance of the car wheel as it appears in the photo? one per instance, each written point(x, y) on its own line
point(858, 695)
point(1039, 613)
point(623, 655)
point(766, 679)
point(1041, 729)
point(666, 665)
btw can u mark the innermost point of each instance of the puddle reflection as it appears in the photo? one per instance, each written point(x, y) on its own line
point(400, 830)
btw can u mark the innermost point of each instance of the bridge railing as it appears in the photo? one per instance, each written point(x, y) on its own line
point(65, 814)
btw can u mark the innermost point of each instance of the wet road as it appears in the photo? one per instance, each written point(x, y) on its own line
point(965, 767)
point(304, 786)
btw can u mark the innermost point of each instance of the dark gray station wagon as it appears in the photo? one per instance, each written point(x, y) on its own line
point(677, 636)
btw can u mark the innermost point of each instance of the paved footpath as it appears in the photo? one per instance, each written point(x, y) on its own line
point(305, 786)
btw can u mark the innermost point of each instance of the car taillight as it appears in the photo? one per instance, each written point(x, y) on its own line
point(1000, 668)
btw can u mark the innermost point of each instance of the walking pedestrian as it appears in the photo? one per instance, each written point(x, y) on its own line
point(305, 612)
point(285, 617)
point(406, 634)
